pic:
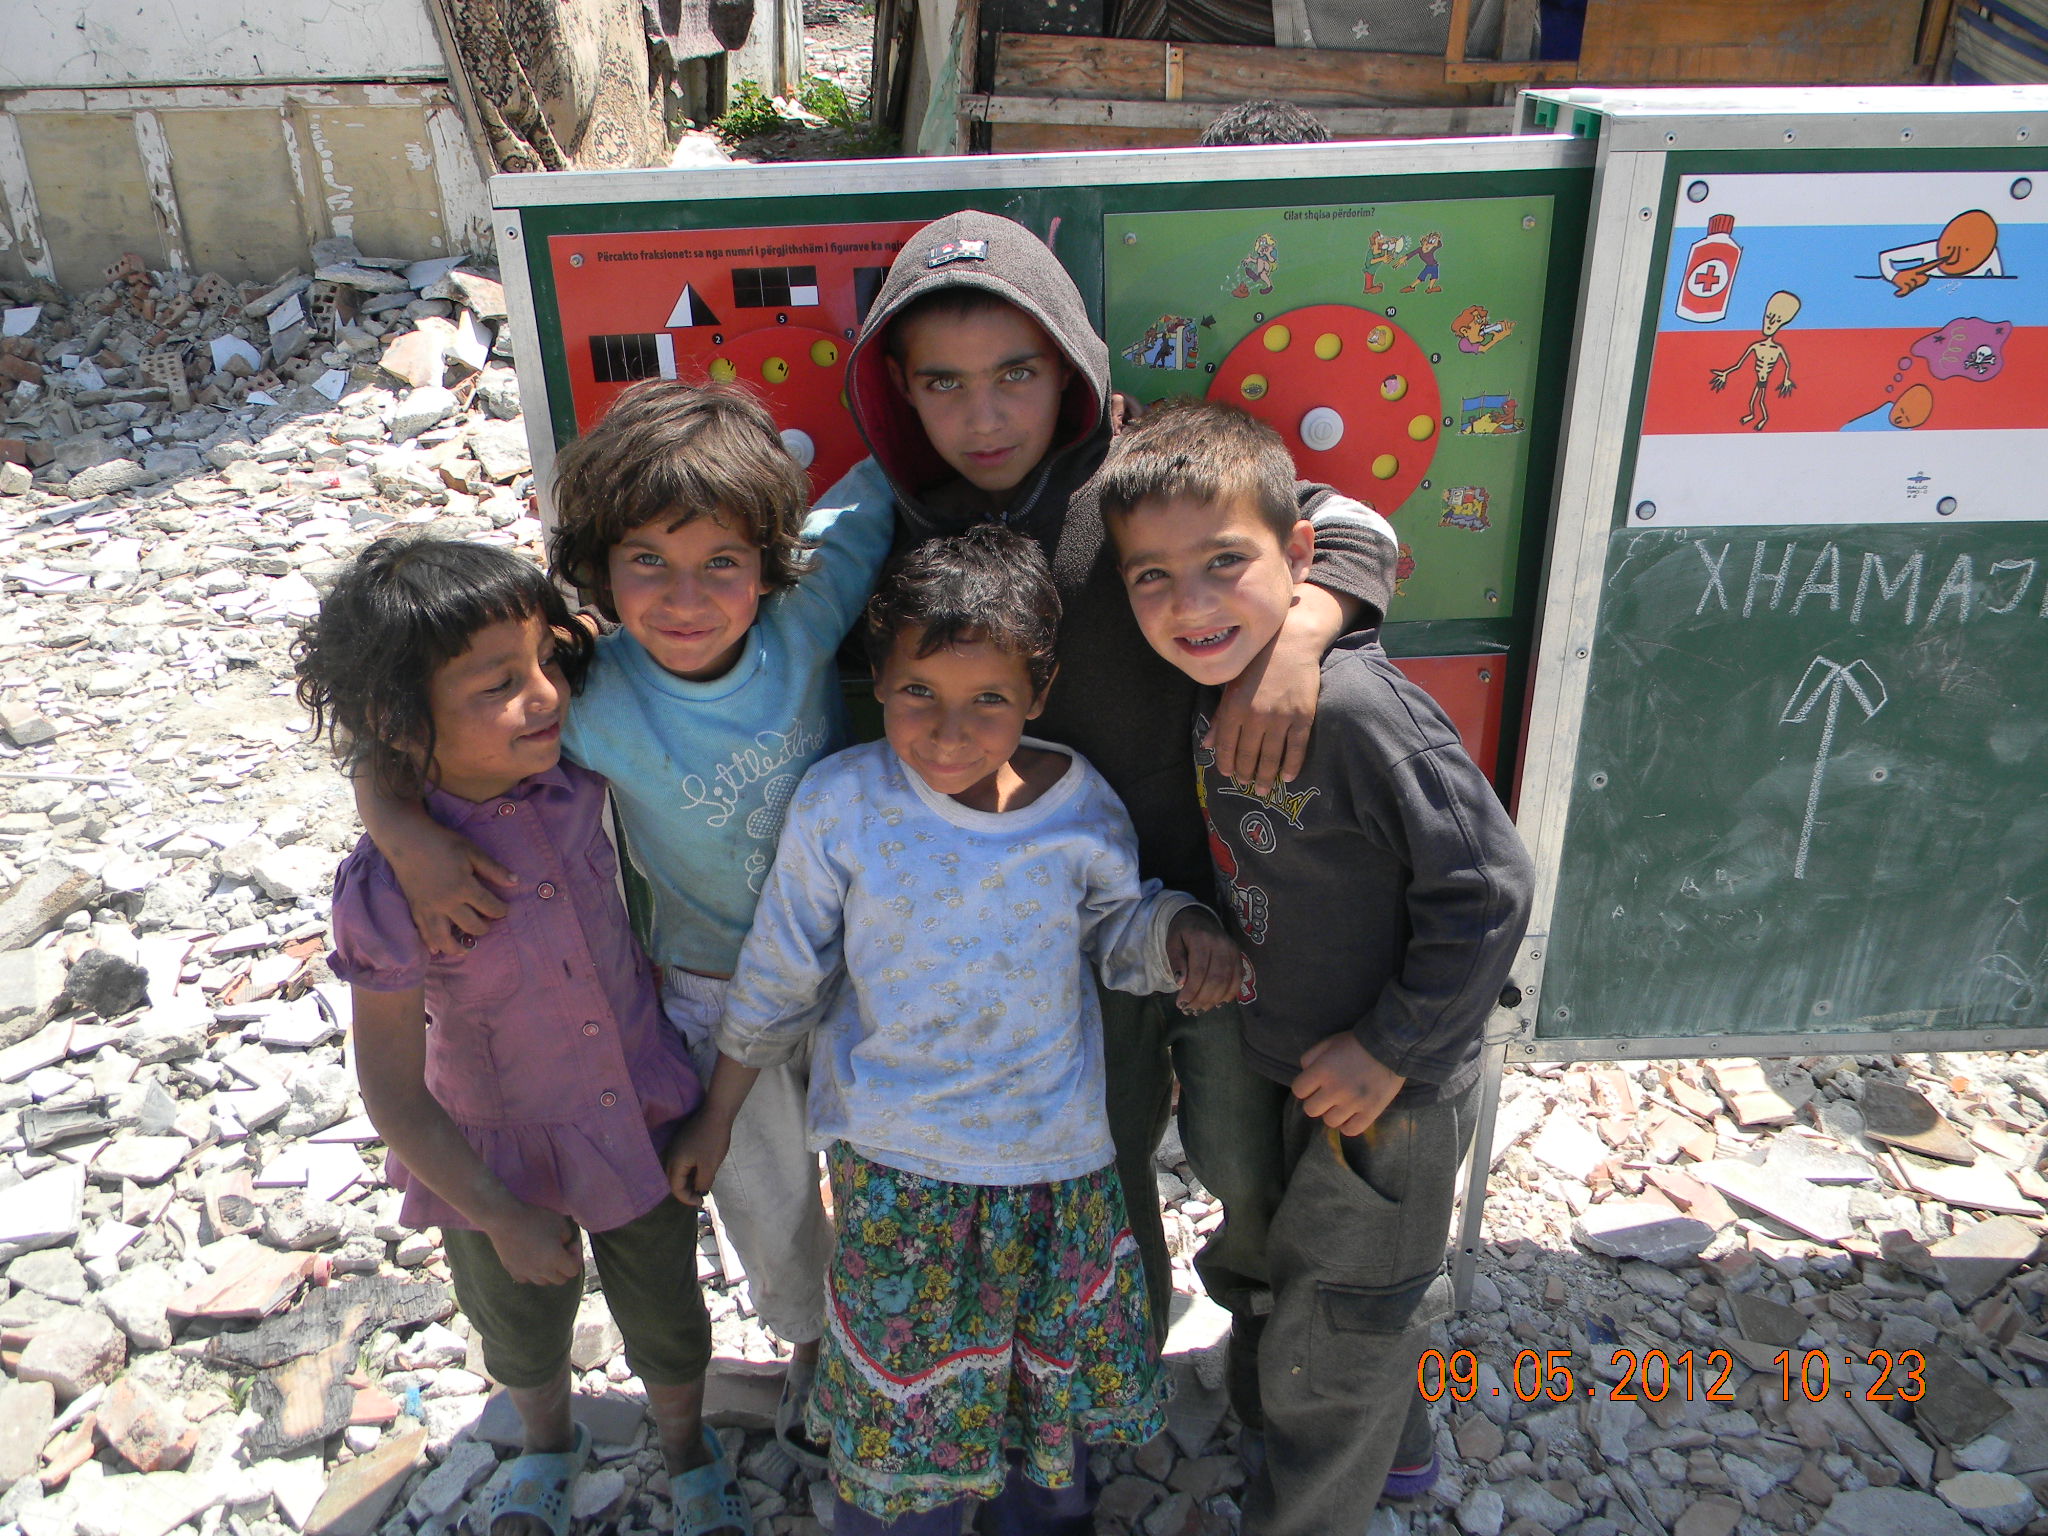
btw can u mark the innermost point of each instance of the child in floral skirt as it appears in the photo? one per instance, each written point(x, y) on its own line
point(933, 914)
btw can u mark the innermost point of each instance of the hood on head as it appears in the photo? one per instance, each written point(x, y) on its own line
point(972, 250)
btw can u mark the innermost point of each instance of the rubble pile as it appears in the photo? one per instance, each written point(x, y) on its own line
point(210, 1320)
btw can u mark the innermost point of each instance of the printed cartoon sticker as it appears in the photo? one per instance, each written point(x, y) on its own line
point(1766, 354)
point(1465, 507)
point(1255, 270)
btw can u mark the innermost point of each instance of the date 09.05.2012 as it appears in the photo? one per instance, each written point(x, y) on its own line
point(1652, 1375)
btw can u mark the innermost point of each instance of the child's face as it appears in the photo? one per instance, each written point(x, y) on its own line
point(1210, 582)
point(688, 594)
point(497, 710)
point(987, 388)
point(955, 717)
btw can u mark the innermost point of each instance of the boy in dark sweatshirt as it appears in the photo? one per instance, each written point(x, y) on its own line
point(983, 393)
point(1379, 898)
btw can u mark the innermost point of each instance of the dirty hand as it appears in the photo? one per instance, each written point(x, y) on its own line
point(1260, 734)
point(695, 1155)
point(537, 1247)
point(1343, 1085)
point(444, 878)
point(1204, 960)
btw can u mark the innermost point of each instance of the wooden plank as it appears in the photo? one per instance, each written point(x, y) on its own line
point(1526, 72)
point(1129, 69)
point(1461, 27)
point(1753, 41)
point(1518, 30)
point(1055, 138)
point(1344, 122)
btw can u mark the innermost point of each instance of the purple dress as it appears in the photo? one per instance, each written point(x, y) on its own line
point(545, 1038)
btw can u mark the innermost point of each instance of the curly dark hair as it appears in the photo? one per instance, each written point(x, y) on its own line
point(988, 583)
point(404, 608)
point(670, 452)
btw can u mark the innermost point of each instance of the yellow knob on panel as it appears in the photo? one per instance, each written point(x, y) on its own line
point(1385, 467)
point(722, 370)
point(1421, 427)
point(775, 370)
point(1380, 337)
point(1277, 337)
point(1328, 345)
point(1253, 387)
point(824, 353)
point(1393, 387)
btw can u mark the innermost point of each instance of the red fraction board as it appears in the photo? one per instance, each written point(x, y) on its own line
point(775, 310)
point(1353, 394)
point(1472, 691)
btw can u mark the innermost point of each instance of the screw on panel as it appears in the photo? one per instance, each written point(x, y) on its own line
point(1642, 213)
point(1646, 510)
point(1905, 135)
point(576, 260)
point(512, 232)
point(1946, 506)
point(1580, 653)
point(1598, 781)
point(1790, 135)
point(1561, 1014)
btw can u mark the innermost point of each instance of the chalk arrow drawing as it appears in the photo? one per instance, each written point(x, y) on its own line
point(1829, 679)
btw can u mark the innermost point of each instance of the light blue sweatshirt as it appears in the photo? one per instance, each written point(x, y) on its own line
point(703, 773)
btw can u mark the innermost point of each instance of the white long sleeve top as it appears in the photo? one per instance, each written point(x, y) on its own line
point(943, 956)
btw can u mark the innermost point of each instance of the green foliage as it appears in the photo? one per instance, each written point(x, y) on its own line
point(828, 99)
point(750, 114)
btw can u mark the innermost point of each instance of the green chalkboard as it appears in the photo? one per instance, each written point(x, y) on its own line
point(1812, 786)
point(1809, 795)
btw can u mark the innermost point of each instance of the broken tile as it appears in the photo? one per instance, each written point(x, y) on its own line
point(1900, 1117)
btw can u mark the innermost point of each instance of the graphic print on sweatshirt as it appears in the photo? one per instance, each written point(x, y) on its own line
point(726, 792)
point(1257, 832)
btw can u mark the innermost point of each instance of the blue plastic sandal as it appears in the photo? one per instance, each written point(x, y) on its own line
point(539, 1486)
point(708, 1498)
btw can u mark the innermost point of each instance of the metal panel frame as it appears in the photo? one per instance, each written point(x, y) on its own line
point(1637, 131)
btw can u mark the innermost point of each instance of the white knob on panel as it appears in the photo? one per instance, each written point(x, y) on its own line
point(1322, 429)
point(800, 446)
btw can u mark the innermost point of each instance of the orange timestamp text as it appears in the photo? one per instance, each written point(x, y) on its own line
point(1652, 1375)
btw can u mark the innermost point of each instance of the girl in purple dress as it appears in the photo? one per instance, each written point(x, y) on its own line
point(527, 1087)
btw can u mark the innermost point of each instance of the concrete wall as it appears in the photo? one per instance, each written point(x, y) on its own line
point(239, 180)
point(90, 43)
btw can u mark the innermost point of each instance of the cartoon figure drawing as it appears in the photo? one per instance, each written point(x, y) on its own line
point(1476, 332)
point(1491, 416)
point(1404, 567)
point(1465, 507)
point(1256, 270)
point(1966, 247)
point(1383, 251)
point(1171, 341)
point(1766, 355)
point(1431, 247)
point(1913, 407)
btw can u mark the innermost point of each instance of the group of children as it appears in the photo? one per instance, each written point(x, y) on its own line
point(965, 963)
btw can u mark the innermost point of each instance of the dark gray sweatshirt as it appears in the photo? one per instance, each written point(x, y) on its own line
point(1384, 891)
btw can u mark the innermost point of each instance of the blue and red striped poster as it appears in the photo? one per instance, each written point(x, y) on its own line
point(1861, 348)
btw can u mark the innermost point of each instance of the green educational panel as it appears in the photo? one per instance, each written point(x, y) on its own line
point(1407, 330)
point(1811, 789)
point(1394, 344)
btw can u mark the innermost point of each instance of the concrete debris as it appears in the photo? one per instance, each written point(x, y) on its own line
point(213, 1321)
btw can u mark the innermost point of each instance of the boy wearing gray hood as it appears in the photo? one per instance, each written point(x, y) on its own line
point(983, 392)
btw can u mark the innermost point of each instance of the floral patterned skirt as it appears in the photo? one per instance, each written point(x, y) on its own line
point(967, 1320)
